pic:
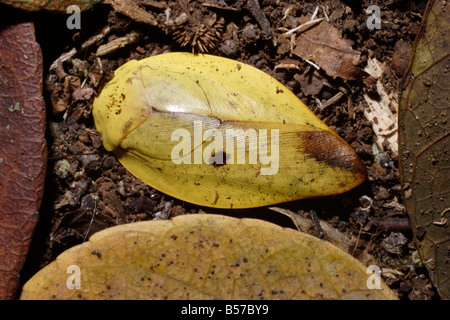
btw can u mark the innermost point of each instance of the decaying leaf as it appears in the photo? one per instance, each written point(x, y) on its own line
point(204, 256)
point(424, 143)
point(383, 109)
point(53, 5)
point(22, 149)
point(324, 45)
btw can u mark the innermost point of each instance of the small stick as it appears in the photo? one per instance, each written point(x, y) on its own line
point(117, 44)
point(316, 10)
point(304, 25)
point(332, 100)
point(316, 221)
point(62, 58)
point(255, 9)
point(70, 54)
point(133, 11)
point(325, 14)
point(313, 64)
point(92, 220)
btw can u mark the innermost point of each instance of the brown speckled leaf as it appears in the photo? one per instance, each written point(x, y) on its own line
point(22, 149)
point(424, 143)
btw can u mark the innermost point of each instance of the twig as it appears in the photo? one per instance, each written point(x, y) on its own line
point(117, 44)
point(325, 14)
point(62, 58)
point(70, 54)
point(133, 11)
point(255, 9)
point(315, 220)
point(316, 10)
point(89, 42)
point(443, 221)
point(313, 64)
point(286, 12)
point(304, 25)
point(332, 100)
point(155, 4)
point(92, 221)
point(218, 6)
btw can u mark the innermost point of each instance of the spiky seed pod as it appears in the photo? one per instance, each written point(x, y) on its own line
point(202, 36)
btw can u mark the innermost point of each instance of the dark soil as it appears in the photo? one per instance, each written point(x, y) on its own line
point(88, 190)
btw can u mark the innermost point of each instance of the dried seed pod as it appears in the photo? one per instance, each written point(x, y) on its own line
point(201, 35)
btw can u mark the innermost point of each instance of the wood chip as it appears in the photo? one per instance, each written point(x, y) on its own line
point(133, 11)
point(117, 44)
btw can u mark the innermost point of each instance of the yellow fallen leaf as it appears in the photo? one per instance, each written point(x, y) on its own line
point(204, 256)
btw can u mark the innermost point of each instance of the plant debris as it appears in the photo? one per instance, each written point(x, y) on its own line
point(323, 44)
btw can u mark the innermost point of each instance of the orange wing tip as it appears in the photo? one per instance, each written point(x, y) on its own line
point(327, 147)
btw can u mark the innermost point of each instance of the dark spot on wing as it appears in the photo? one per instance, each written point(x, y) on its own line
point(328, 148)
point(219, 159)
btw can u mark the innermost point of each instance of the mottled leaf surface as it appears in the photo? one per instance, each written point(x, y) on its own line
point(324, 45)
point(424, 143)
point(204, 256)
point(22, 149)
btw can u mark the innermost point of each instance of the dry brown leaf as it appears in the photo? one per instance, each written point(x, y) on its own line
point(324, 45)
point(204, 256)
point(424, 132)
point(23, 151)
